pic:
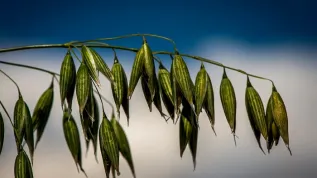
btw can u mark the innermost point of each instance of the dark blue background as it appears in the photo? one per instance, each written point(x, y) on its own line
point(187, 22)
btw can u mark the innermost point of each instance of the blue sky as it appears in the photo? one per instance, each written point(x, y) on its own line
point(187, 22)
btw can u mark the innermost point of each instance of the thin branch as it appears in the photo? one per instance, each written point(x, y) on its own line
point(68, 45)
point(12, 81)
point(5, 110)
point(27, 66)
point(107, 101)
point(54, 77)
point(128, 36)
point(102, 105)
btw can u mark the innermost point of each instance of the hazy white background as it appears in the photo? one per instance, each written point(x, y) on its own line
point(154, 143)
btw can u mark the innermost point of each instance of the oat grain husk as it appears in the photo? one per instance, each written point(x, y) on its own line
point(42, 111)
point(200, 89)
point(22, 166)
point(229, 102)
point(123, 143)
point(67, 80)
point(110, 142)
point(280, 117)
point(83, 86)
point(72, 138)
point(89, 60)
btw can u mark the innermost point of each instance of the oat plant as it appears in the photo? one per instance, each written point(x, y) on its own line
point(183, 99)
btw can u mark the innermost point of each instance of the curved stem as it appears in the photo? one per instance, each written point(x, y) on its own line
point(33, 47)
point(214, 63)
point(72, 51)
point(5, 110)
point(103, 109)
point(128, 36)
point(157, 59)
point(67, 45)
point(13, 82)
point(107, 101)
point(54, 77)
point(27, 66)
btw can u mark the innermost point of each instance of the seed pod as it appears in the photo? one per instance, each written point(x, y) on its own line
point(20, 116)
point(83, 86)
point(105, 157)
point(257, 108)
point(185, 129)
point(146, 92)
point(249, 100)
point(193, 118)
point(102, 66)
point(193, 144)
point(87, 117)
point(109, 142)
point(71, 135)
point(176, 93)
point(123, 143)
point(165, 82)
point(149, 68)
point(29, 136)
point(168, 105)
point(125, 106)
point(67, 80)
point(137, 70)
point(229, 102)
point(1, 132)
point(120, 90)
point(42, 111)
point(22, 166)
point(275, 133)
point(94, 127)
point(157, 97)
point(113, 171)
point(23, 125)
point(280, 116)
point(90, 123)
point(200, 89)
point(269, 122)
point(89, 60)
point(182, 76)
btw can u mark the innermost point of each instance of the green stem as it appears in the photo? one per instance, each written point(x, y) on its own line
point(72, 51)
point(27, 66)
point(103, 109)
point(5, 110)
point(128, 36)
point(214, 63)
point(13, 82)
point(107, 101)
point(68, 45)
point(49, 72)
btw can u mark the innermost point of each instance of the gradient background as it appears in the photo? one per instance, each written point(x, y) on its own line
point(274, 39)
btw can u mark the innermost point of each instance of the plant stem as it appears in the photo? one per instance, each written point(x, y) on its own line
point(69, 45)
point(103, 109)
point(7, 114)
point(49, 72)
point(13, 82)
point(27, 66)
point(128, 36)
